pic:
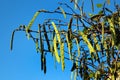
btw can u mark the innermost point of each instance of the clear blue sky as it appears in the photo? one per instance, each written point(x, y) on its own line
point(23, 63)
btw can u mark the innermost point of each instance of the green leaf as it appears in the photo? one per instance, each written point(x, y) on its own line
point(63, 12)
point(62, 56)
point(11, 41)
point(55, 50)
point(99, 5)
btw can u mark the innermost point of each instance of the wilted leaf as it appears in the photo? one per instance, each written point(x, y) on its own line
point(63, 12)
point(55, 50)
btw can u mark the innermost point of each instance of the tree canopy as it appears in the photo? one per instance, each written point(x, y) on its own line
point(90, 41)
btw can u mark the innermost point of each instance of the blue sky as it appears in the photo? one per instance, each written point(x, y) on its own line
point(23, 63)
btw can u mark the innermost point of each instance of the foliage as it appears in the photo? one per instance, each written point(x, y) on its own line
point(91, 43)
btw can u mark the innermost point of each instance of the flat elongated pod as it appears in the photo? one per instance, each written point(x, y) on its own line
point(92, 4)
point(31, 23)
point(32, 20)
point(96, 42)
point(41, 42)
point(55, 50)
point(11, 41)
point(70, 29)
point(56, 31)
point(62, 56)
point(45, 69)
point(37, 45)
point(78, 47)
point(91, 49)
point(112, 28)
point(42, 61)
point(46, 37)
point(63, 12)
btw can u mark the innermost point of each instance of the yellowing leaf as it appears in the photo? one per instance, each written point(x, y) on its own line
point(91, 49)
point(63, 12)
point(55, 50)
point(62, 56)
